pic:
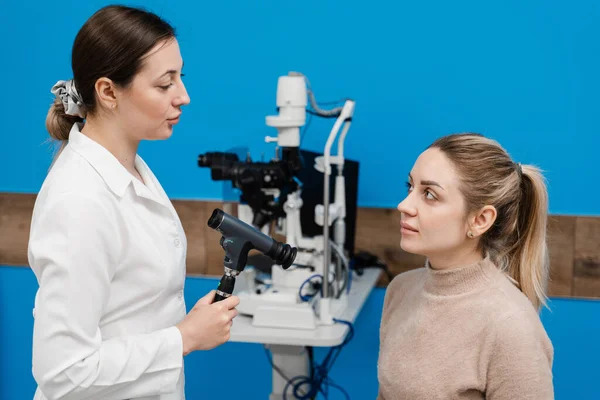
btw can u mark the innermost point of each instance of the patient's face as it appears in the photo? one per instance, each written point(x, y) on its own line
point(433, 213)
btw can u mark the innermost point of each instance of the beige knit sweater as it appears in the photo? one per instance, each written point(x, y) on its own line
point(466, 333)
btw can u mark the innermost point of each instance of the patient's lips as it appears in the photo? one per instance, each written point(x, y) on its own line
point(408, 229)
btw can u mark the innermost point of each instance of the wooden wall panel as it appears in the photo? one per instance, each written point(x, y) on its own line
point(378, 232)
point(212, 239)
point(15, 220)
point(574, 242)
point(193, 218)
point(561, 246)
point(586, 281)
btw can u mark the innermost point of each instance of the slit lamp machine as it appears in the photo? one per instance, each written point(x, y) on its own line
point(309, 276)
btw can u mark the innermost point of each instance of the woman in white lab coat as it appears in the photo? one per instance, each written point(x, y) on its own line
point(106, 244)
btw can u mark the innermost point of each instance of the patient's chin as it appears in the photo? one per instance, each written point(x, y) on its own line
point(410, 247)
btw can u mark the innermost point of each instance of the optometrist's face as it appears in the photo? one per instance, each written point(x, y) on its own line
point(151, 106)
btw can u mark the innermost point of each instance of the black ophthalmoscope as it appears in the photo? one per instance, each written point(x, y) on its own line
point(237, 240)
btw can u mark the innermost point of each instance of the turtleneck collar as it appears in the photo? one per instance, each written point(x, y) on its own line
point(462, 280)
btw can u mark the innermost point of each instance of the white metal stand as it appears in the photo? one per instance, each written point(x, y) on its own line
point(292, 361)
point(288, 345)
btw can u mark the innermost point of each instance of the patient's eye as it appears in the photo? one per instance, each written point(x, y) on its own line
point(429, 195)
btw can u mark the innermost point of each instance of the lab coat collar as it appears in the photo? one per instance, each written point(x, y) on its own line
point(115, 175)
point(151, 190)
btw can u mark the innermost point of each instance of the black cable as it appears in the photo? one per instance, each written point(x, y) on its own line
point(319, 380)
point(344, 271)
point(346, 277)
point(311, 359)
point(315, 286)
point(276, 368)
point(309, 119)
point(311, 112)
point(363, 260)
point(338, 387)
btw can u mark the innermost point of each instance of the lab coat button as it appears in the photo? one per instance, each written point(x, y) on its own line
point(180, 294)
point(177, 242)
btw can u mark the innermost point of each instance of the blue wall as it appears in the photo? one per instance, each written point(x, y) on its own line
point(523, 72)
point(573, 326)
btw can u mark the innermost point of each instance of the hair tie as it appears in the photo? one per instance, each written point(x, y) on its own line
point(519, 170)
point(70, 97)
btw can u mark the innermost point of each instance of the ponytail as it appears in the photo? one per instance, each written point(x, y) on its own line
point(67, 109)
point(528, 260)
point(58, 123)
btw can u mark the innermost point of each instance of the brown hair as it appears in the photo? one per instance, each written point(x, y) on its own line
point(112, 43)
point(516, 242)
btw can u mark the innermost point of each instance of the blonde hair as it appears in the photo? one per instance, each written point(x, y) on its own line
point(516, 242)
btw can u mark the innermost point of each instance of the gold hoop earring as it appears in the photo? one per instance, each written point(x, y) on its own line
point(470, 234)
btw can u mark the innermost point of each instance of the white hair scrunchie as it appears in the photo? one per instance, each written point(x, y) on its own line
point(70, 97)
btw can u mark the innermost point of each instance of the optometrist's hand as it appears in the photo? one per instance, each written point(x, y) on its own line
point(208, 324)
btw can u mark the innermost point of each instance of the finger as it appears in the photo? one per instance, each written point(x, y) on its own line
point(208, 298)
point(232, 313)
point(231, 302)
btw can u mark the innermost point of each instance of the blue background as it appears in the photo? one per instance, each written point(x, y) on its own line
point(522, 72)
point(243, 369)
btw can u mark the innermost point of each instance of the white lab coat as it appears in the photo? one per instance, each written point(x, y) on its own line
point(109, 256)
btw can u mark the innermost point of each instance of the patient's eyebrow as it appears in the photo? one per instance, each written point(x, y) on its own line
point(428, 183)
point(431, 183)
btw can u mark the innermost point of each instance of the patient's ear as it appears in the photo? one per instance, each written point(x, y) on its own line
point(481, 221)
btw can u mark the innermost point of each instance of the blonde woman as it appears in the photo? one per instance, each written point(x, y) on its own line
point(466, 326)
